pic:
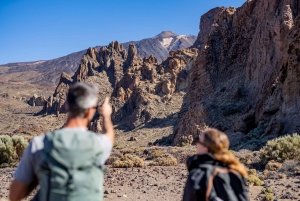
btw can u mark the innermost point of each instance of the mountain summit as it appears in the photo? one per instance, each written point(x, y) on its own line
point(161, 44)
point(165, 34)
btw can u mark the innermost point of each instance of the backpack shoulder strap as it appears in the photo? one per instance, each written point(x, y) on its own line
point(97, 151)
point(210, 190)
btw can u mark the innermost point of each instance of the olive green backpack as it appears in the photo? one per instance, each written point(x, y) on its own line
point(69, 168)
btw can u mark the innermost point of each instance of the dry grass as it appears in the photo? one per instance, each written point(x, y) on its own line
point(128, 161)
point(164, 160)
point(127, 150)
point(157, 153)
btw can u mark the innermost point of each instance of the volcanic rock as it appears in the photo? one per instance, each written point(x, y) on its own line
point(36, 100)
point(250, 64)
point(138, 87)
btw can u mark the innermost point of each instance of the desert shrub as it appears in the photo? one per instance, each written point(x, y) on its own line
point(157, 153)
point(164, 160)
point(7, 151)
point(267, 194)
point(266, 190)
point(252, 172)
point(253, 180)
point(138, 150)
point(269, 197)
point(11, 148)
point(128, 161)
point(281, 149)
point(20, 145)
point(128, 150)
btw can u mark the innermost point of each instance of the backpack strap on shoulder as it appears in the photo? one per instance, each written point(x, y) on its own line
point(97, 151)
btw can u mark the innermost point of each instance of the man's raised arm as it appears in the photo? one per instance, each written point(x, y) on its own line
point(108, 129)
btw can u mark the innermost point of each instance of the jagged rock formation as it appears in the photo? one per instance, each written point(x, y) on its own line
point(48, 72)
point(246, 79)
point(139, 88)
point(36, 100)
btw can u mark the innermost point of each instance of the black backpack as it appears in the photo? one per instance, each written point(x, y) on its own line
point(224, 184)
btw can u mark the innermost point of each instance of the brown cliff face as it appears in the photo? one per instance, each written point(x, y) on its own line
point(246, 77)
point(206, 21)
point(140, 89)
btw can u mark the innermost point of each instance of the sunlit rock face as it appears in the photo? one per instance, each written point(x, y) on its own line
point(246, 76)
point(140, 89)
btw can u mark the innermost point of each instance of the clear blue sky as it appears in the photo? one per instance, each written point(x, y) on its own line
point(32, 30)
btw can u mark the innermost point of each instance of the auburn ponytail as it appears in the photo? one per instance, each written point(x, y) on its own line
point(232, 162)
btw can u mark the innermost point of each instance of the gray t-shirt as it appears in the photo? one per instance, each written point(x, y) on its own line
point(26, 171)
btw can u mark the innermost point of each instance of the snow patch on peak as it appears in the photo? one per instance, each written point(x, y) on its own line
point(166, 42)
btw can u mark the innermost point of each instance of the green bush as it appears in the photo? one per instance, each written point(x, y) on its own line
point(11, 148)
point(253, 180)
point(267, 194)
point(20, 145)
point(7, 151)
point(281, 149)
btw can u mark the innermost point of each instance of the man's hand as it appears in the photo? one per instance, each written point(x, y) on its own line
point(106, 110)
point(107, 128)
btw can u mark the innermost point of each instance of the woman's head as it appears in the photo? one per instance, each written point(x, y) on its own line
point(212, 140)
point(216, 142)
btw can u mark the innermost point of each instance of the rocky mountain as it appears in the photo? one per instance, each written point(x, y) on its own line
point(142, 90)
point(245, 81)
point(160, 45)
point(47, 73)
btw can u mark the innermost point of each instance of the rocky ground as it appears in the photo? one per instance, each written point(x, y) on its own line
point(145, 183)
point(19, 118)
point(161, 183)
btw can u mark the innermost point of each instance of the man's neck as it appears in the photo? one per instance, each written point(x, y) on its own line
point(74, 122)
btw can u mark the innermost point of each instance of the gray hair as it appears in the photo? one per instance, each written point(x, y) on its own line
point(81, 97)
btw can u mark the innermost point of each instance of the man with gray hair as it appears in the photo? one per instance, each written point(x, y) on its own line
point(68, 163)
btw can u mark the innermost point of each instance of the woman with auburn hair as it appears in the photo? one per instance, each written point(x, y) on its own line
point(215, 174)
